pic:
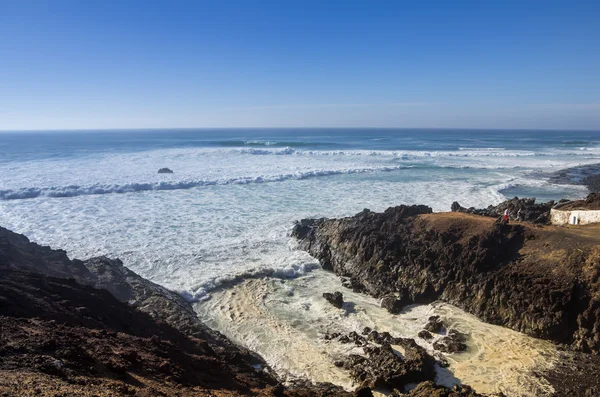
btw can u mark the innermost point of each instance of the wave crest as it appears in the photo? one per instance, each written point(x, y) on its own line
point(96, 189)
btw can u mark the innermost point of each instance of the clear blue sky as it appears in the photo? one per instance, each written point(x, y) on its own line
point(138, 64)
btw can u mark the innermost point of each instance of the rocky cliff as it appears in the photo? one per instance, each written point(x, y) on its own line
point(70, 327)
point(540, 280)
point(94, 327)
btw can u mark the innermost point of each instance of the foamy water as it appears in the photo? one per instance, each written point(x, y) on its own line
point(285, 321)
point(217, 229)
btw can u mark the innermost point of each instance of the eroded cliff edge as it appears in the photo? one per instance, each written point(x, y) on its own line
point(540, 280)
point(93, 327)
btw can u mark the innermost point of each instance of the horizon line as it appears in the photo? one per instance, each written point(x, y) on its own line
point(115, 129)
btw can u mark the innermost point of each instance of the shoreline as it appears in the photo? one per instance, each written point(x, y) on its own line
point(586, 175)
point(576, 372)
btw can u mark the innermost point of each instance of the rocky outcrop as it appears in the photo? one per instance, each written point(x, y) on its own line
point(388, 363)
point(430, 389)
point(543, 281)
point(336, 299)
point(18, 253)
point(165, 171)
point(394, 304)
point(454, 342)
point(70, 327)
point(524, 209)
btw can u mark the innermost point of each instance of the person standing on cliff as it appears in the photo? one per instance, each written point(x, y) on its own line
point(505, 217)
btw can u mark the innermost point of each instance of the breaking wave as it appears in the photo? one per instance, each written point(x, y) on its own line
point(404, 155)
point(96, 189)
point(202, 292)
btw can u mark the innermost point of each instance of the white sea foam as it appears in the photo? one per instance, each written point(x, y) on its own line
point(76, 190)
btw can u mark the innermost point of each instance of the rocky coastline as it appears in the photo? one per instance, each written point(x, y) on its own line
point(587, 175)
point(71, 327)
point(94, 327)
point(534, 278)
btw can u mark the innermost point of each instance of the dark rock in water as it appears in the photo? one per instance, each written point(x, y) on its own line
point(525, 209)
point(425, 335)
point(165, 171)
point(303, 227)
point(454, 342)
point(382, 367)
point(352, 337)
point(393, 304)
point(434, 324)
point(336, 299)
point(430, 389)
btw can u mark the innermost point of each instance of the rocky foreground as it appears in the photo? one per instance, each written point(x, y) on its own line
point(72, 328)
point(93, 327)
point(540, 280)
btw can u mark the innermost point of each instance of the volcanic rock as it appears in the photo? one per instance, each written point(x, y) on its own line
point(59, 335)
point(434, 324)
point(336, 299)
point(454, 342)
point(540, 280)
point(524, 209)
point(393, 304)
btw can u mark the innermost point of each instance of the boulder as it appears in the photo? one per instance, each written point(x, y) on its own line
point(434, 324)
point(384, 368)
point(454, 342)
point(336, 299)
point(165, 171)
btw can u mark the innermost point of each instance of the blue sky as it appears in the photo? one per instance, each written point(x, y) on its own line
point(149, 64)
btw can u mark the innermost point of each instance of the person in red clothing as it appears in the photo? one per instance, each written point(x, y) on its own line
point(505, 217)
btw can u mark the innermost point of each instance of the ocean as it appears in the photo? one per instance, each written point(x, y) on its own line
point(217, 229)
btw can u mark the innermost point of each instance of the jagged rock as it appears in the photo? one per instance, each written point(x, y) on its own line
point(454, 342)
point(393, 304)
point(336, 299)
point(165, 171)
point(425, 335)
point(430, 389)
point(543, 281)
point(525, 209)
point(434, 324)
point(382, 367)
point(91, 327)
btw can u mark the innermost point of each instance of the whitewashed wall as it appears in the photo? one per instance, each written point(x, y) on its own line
point(559, 217)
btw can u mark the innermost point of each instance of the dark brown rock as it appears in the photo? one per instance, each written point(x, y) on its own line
point(394, 304)
point(524, 209)
point(336, 299)
point(434, 324)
